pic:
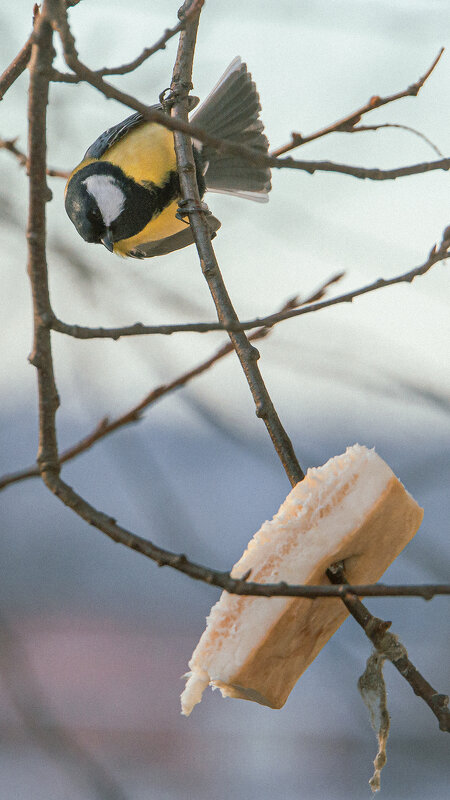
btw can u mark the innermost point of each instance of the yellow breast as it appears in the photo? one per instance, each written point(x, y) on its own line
point(165, 224)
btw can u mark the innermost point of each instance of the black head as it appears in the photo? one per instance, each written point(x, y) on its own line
point(105, 205)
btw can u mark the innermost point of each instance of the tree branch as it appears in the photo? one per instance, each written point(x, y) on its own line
point(247, 354)
point(39, 194)
point(168, 34)
point(347, 123)
point(190, 14)
point(363, 173)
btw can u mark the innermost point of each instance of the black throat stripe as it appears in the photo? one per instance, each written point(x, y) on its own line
point(163, 196)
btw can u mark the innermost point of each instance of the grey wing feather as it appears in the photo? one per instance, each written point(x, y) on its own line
point(170, 243)
point(114, 134)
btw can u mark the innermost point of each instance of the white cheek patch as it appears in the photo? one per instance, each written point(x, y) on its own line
point(108, 196)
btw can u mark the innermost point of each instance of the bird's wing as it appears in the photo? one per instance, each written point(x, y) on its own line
point(170, 243)
point(114, 134)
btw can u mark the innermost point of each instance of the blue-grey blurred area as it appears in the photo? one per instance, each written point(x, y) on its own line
point(95, 637)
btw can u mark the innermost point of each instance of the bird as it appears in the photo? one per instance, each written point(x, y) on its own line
point(125, 193)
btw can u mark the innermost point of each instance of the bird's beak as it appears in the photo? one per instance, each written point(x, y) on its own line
point(108, 241)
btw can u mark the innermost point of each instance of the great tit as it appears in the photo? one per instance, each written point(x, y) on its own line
point(125, 193)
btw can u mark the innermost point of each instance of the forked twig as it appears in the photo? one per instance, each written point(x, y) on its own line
point(347, 124)
point(168, 34)
point(438, 253)
point(124, 69)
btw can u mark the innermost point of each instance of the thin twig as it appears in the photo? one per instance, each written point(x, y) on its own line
point(169, 33)
point(437, 254)
point(347, 123)
point(19, 64)
point(388, 644)
point(191, 13)
point(362, 128)
point(134, 414)
point(363, 173)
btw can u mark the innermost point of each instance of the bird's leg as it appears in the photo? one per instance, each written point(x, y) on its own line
point(185, 207)
point(167, 99)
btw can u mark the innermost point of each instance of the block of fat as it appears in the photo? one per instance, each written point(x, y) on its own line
point(352, 509)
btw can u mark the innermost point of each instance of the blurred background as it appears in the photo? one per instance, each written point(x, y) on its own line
point(94, 637)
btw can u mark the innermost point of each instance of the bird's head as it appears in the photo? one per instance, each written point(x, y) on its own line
point(105, 205)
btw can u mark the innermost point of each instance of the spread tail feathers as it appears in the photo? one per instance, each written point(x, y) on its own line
point(231, 111)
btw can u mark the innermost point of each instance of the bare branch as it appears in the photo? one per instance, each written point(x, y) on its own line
point(347, 123)
point(190, 14)
point(169, 33)
point(247, 354)
point(64, 77)
point(95, 79)
point(218, 578)
point(39, 194)
point(138, 329)
point(364, 173)
point(388, 644)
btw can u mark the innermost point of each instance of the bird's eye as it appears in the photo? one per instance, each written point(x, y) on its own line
point(94, 215)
